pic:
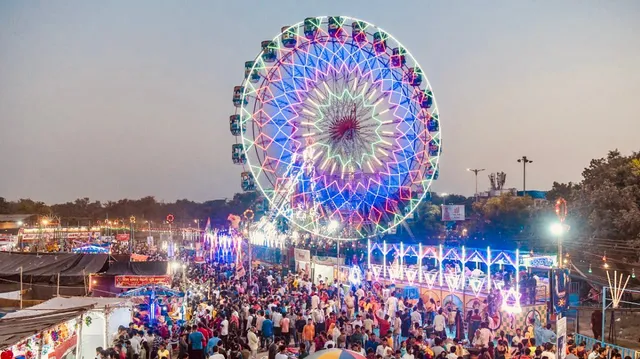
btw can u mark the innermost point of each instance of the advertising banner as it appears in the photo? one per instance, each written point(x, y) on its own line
point(452, 212)
point(134, 281)
point(302, 255)
point(122, 237)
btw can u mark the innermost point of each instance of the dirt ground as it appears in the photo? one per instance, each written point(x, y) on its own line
point(627, 326)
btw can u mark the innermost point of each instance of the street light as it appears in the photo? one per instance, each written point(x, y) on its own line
point(444, 197)
point(524, 160)
point(558, 229)
point(475, 172)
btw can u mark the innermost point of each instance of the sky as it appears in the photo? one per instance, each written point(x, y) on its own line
point(124, 99)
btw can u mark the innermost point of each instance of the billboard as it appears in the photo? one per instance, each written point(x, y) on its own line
point(452, 212)
point(134, 281)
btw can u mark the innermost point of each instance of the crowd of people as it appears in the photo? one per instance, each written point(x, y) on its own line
point(281, 315)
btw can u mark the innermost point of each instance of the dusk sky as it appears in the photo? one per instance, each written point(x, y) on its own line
point(116, 99)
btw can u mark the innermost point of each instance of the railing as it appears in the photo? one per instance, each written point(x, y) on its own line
point(635, 354)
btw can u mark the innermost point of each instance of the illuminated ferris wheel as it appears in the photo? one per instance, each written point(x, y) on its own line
point(338, 127)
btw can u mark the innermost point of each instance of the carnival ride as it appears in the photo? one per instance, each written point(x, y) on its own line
point(337, 126)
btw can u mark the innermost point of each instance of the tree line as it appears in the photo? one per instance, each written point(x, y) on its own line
point(604, 204)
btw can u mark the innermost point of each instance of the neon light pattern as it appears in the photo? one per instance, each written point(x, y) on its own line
point(511, 301)
point(337, 128)
point(476, 285)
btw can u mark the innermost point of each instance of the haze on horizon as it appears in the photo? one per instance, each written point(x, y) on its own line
point(123, 99)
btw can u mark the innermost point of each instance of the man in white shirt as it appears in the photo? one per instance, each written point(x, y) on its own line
point(517, 339)
point(282, 352)
point(439, 323)
point(416, 317)
point(216, 354)
point(548, 351)
point(315, 300)
point(485, 336)
point(392, 306)
point(135, 342)
point(224, 329)
point(276, 317)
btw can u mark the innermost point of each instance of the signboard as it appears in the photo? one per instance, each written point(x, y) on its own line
point(134, 281)
point(122, 237)
point(452, 212)
point(138, 257)
point(561, 341)
point(538, 261)
point(302, 255)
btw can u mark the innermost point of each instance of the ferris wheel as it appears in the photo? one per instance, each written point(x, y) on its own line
point(336, 124)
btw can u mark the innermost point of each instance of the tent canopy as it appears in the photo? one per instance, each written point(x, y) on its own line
point(66, 303)
point(47, 264)
point(19, 325)
point(138, 268)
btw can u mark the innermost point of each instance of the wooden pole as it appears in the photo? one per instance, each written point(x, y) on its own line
point(20, 287)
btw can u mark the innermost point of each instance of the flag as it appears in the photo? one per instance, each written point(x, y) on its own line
point(240, 272)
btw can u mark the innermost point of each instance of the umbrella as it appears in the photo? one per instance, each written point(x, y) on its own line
point(335, 354)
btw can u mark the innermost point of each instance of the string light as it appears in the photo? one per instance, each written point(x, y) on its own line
point(590, 271)
point(633, 273)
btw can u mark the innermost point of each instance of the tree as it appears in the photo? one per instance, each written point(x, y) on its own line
point(606, 203)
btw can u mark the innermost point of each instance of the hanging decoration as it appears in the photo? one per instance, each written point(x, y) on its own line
point(476, 285)
point(453, 281)
point(88, 321)
point(411, 274)
point(430, 278)
point(511, 301)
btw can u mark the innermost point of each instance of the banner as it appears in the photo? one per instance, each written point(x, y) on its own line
point(327, 261)
point(134, 281)
point(122, 237)
point(138, 257)
point(64, 348)
point(559, 289)
point(452, 212)
point(561, 338)
point(302, 255)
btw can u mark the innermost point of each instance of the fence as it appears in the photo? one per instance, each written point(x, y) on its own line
point(635, 354)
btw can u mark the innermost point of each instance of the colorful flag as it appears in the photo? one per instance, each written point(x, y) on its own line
point(240, 272)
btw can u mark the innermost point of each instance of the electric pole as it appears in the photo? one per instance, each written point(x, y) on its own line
point(476, 171)
point(524, 160)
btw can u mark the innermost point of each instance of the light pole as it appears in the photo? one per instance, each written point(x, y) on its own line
point(560, 228)
point(475, 172)
point(132, 222)
point(524, 160)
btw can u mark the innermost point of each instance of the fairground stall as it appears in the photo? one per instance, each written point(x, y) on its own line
point(156, 306)
point(71, 327)
point(465, 278)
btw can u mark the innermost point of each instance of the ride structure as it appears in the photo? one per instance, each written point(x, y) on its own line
point(465, 277)
point(337, 126)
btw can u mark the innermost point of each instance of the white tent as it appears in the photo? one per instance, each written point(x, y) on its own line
point(106, 315)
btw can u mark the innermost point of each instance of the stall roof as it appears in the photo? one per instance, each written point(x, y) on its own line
point(13, 330)
point(138, 268)
point(65, 303)
point(46, 264)
point(21, 324)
